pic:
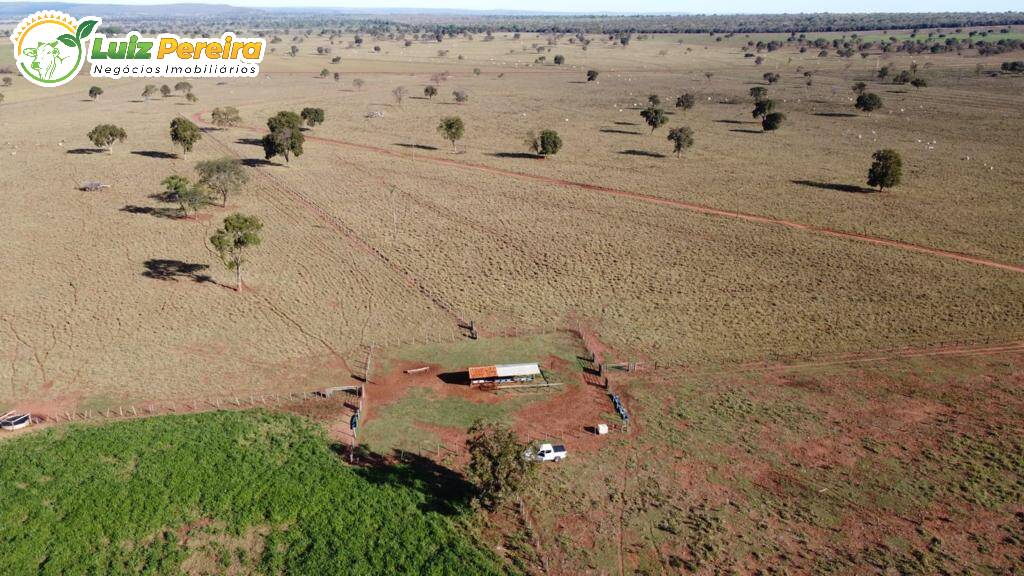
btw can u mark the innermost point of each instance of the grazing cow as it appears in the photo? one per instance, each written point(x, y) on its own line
point(45, 58)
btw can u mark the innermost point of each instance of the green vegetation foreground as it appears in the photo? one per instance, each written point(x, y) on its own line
point(264, 491)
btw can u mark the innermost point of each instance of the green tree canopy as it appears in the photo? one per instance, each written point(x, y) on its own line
point(312, 116)
point(592, 75)
point(452, 128)
point(104, 136)
point(655, 117)
point(285, 137)
point(225, 117)
point(233, 240)
point(772, 121)
point(546, 143)
point(886, 169)
point(497, 463)
point(681, 138)
point(95, 92)
point(758, 93)
point(430, 91)
point(685, 101)
point(185, 134)
point(868, 102)
point(763, 107)
point(223, 176)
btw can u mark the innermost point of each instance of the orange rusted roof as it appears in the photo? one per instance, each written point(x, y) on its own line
point(477, 372)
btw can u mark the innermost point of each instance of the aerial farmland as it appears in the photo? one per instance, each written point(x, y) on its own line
point(795, 309)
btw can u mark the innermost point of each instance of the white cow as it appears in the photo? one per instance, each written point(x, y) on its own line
point(45, 58)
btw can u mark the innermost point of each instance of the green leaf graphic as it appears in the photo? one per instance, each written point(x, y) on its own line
point(85, 28)
point(68, 40)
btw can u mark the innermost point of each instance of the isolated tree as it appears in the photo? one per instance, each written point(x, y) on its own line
point(772, 121)
point(681, 138)
point(185, 134)
point(709, 75)
point(592, 75)
point(285, 137)
point(770, 77)
point(104, 136)
point(191, 97)
point(225, 117)
point(222, 177)
point(95, 92)
point(758, 93)
point(886, 170)
point(654, 100)
point(358, 83)
point(883, 72)
point(324, 73)
point(149, 91)
point(919, 83)
point(868, 102)
point(547, 143)
point(165, 90)
point(685, 101)
point(191, 197)
point(461, 96)
point(497, 465)
point(293, 51)
point(233, 240)
point(399, 94)
point(859, 88)
point(337, 76)
point(430, 91)
point(763, 108)
point(312, 116)
point(559, 59)
point(452, 128)
point(183, 87)
point(8, 81)
point(655, 117)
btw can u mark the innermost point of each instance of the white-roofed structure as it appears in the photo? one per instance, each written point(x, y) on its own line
point(504, 373)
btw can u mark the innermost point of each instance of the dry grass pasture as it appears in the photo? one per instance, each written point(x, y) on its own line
point(380, 234)
point(838, 381)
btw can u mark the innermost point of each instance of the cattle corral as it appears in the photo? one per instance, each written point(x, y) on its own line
point(749, 298)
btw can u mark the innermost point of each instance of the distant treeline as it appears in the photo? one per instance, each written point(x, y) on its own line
point(457, 24)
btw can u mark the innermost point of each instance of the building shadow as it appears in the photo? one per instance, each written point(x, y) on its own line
point(461, 377)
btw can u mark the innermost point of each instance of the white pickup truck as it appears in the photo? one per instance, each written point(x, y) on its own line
point(547, 453)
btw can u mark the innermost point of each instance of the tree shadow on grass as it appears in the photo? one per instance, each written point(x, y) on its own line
point(620, 123)
point(725, 121)
point(645, 153)
point(155, 154)
point(447, 492)
point(747, 131)
point(250, 142)
point(172, 270)
point(257, 162)
point(618, 131)
point(416, 146)
point(835, 114)
point(169, 213)
point(522, 155)
point(851, 188)
point(82, 151)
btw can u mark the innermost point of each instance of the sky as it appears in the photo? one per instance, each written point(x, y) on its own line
point(636, 6)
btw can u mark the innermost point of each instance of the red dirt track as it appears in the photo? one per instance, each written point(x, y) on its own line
point(698, 208)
